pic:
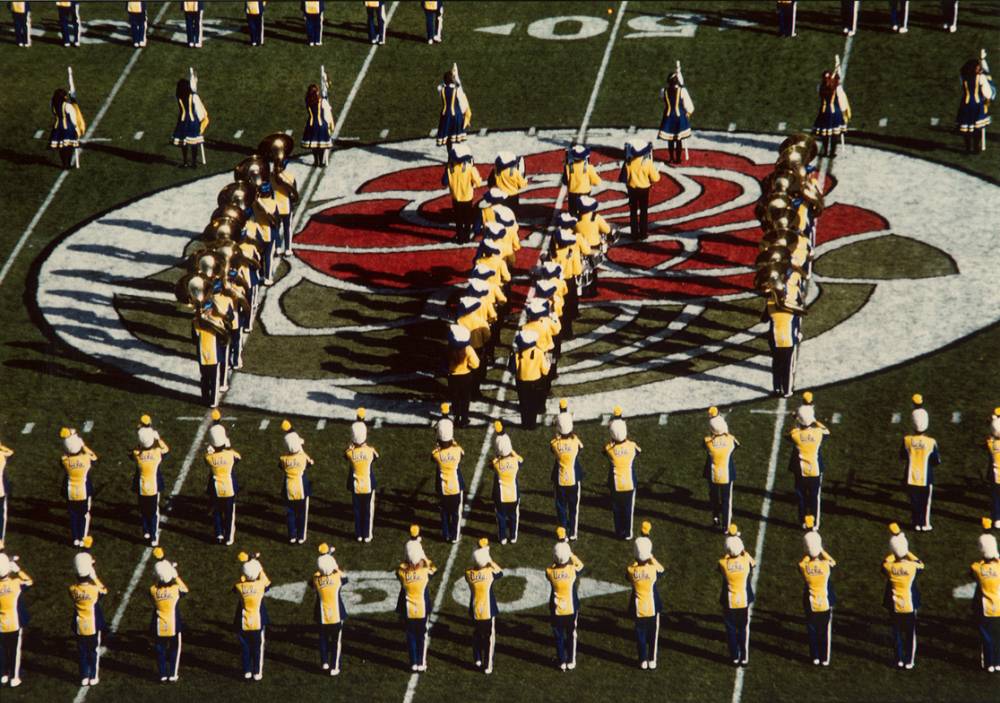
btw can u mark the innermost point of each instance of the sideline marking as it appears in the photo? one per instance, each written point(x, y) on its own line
point(782, 126)
point(321, 424)
point(383, 134)
point(896, 418)
point(444, 584)
point(237, 134)
point(731, 127)
point(663, 418)
point(28, 427)
point(62, 176)
point(935, 122)
point(883, 122)
point(956, 417)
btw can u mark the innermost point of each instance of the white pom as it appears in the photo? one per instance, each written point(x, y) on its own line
point(481, 557)
point(73, 444)
point(988, 546)
point(83, 564)
point(217, 436)
point(326, 564)
point(164, 570)
point(718, 425)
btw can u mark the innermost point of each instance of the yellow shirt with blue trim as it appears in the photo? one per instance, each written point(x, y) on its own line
point(987, 575)
point(85, 595)
point(147, 463)
point(463, 179)
point(413, 580)
point(11, 588)
point(993, 445)
point(901, 593)
point(531, 364)
point(566, 451)
point(165, 598)
point(782, 328)
point(719, 467)
point(580, 177)
point(312, 7)
point(294, 466)
point(77, 468)
point(546, 328)
point(510, 180)
point(448, 460)
point(505, 469)
point(920, 452)
point(590, 227)
point(462, 360)
point(645, 598)
point(482, 602)
point(361, 457)
point(641, 173)
point(255, 8)
point(221, 463)
point(135, 8)
point(622, 456)
point(284, 186)
point(736, 588)
point(329, 606)
point(816, 574)
point(563, 579)
point(251, 595)
point(19, 8)
point(807, 441)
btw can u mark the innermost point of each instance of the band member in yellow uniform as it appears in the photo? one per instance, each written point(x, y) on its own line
point(638, 174)
point(375, 10)
point(591, 228)
point(147, 481)
point(736, 597)
point(312, 11)
point(462, 178)
point(361, 482)
point(433, 20)
point(21, 14)
point(902, 597)
point(622, 455)
point(579, 176)
point(564, 602)
point(506, 492)
point(818, 597)
point(255, 22)
point(644, 605)
point(531, 367)
point(193, 12)
point(5, 454)
point(69, 21)
point(992, 473)
point(414, 602)
point(222, 488)
point(137, 22)
point(13, 617)
point(167, 624)
point(330, 613)
point(720, 469)
point(251, 618)
point(295, 464)
point(541, 320)
point(920, 455)
point(88, 618)
point(508, 176)
point(463, 361)
point(806, 462)
point(77, 487)
point(483, 605)
point(449, 484)
point(568, 251)
point(567, 471)
point(986, 601)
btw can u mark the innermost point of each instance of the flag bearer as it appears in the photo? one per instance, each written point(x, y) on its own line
point(251, 619)
point(579, 176)
point(902, 597)
point(564, 602)
point(737, 596)
point(313, 13)
point(361, 482)
point(330, 614)
point(414, 602)
point(167, 625)
point(375, 10)
point(13, 617)
point(192, 121)
point(993, 473)
point(88, 620)
point(920, 455)
point(433, 20)
point(678, 107)
point(506, 492)
point(193, 12)
point(806, 462)
point(622, 455)
point(68, 126)
point(531, 366)
point(5, 453)
point(221, 460)
point(21, 12)
point(78, 489)
point(567, 471)
point(456, 114)
point(639, 174)
point(978, 91)
point(462, 178)
point(645, 605)
point(986, 601)
point(720, 469)
point(317, 135)
point(137, 22)
point(508, 176)
point(462, 365)
point(255, 21)
point(69, 21)
point(483, 605)
point(818, 597)
point(295, 464)
point(147, 481)
point(449, 484)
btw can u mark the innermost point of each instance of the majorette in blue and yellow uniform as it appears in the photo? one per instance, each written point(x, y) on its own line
point(622, 454)
point(193, 12)
point(433, 20)
point(88, 618)
point(483, 605)
point(77, 487)
point(678, 106)
point(137, 22)
point(251, 619)
point(312, 10)
point(462, 178)
point(506, 492)
point(5, 453)
point(317, 135)
point(564, 602)
point(508, 176)
point(736, 596)
point(14, 580)
point(720, 469)
point(69, 21)
point(192, 120)
point(834, 112)
point(638, 173)
point(993, 472)
point(255, 21)
point(147, 481)
point(21, 12)
point(978, 91)
point(448, 481)
point(296, 488)
point(329, 613)
point(414, 602)
point(806, 461)
point(567, 471)
point(361, 482)
point(456, 115)
point(986, 601)
point(902, 597)
point(222, 487)
point(68, 126)
point(919, 454)
point(375, 11)
point(644, 604)
point(818, 597)
point(579, 176)
point(166, 624)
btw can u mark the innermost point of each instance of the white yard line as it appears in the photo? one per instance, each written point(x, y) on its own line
point(444, 585)
point(62, 176)
point(140, 568)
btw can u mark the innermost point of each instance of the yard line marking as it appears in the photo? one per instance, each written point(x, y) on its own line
point(532, 131)
point(39, 133)
point(935, 122)
point(62, 176)
point(483, 131)
point(88, 426)
point(263, 424)
point(883, 121)
point(731, 127)
point(663, 418)
point(321, 424)
point(956, 417)
point(140, 568)
point(138, 135)
point(28, 427)
point(760, 411)
point(782, 126)
point(836, 418)
point(383, 134)
point(896, 418)
point(237, 134)
point(444, 585)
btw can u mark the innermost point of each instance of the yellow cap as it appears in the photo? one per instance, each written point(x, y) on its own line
point(810, 521)
point(894, 528)
point(216, 415)
point(145, 420)
point(324, 548)
point(617, 411)
point(243, 557)
point(498, 426)
point(561, 532)
point(563, 403)
point(65, 432)
point(646, 528)
point(361, 413)
point(484, 542)
point(414, 530)
point(158, 553)
point(87, 542)
point(996, 411)
point(733, 529)
point(286, 426)
point(446, 408)
point(987, 523)
point(713, 411)
point(807, 397)
point(918, 399)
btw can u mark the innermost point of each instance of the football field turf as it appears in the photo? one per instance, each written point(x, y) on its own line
point(524, 82)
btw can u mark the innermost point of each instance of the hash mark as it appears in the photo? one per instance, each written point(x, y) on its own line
point(88, 426)
point(896, 418)
point(631, 129)
point(605, 418)
point(39, 133)
point(378, 423)
point(550, 420)
point(138, 135)
point(956, 417)
point(263, 424)
point(835, 419)
point(482, 132)
point(782, 126)
point(28, 427)
point(321, 423)
point(935, 122)
point(237, 134)
point(663, 418)
point(883, 122)
point(383, 134)
point(432, 133)
point(289, 132)
point(532, 131)
point(731, 127)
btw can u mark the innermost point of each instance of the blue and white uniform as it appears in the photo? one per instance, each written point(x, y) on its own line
point(677, 109)
point(192, 120)
point(455, 113)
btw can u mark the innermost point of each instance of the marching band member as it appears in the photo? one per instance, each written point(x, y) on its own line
point(472, 316)
point(783, 337)
point(645, 606)
point(433, 20)
point(192, 121)
point(736, 596)
point(193, 12)
point(541, 320)
point(462, 178)
point(312, 11)
point(834, 111)
point(78, 489)
point(579, 176)
point(462, 364)
point(806, 462)
point(902, 597)
point(414, 602)
point(512, 237)
point(564, 602)
point(317, 135)
point(361, 482)
point(993, 473)
point(920, 455)
point(211, 338)
point(456, 114)
point(899, 15)
point(330, 613)
point(483, 605)
point(720, 469)
point(849, 11)
point(286, 192)
point(137, 22)
point(506, 492)
point(568, 252)
point(818, 597)
point(639, 174)
point(531, 366)
point(14, 580)
point(592, 229)
point(294, 464)
point(375, 10)
point(986, 601)
point(88, 620)
point(486, 217)
point(622, 454)
point(978, 91)
point(678, 107)
point(508, 176)
point(68, 126)
point(69, 21)
point(251, 619)
point(222, 488)
point(5, 453)
point(167, 624)
point(147, 481)
point(567, 471)
point(21, 12)
point(255, 21)
point(552, 273)
point(787, 10)
point(449, 484)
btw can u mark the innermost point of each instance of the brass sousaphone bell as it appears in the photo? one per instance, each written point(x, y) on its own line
point(239, 194)
point(805, 144)
point(252, 169)
point(224, 228)
point(774, 256)
point(276, 149)
point(773, 207)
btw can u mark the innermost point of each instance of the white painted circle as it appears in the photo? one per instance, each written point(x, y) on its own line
point(588, 27)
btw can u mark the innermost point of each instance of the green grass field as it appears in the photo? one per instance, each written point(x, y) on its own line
point(904, 91)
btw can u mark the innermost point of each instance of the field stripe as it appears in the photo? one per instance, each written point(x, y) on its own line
point(62, 176)
point(444, 586)
point(140, 568)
